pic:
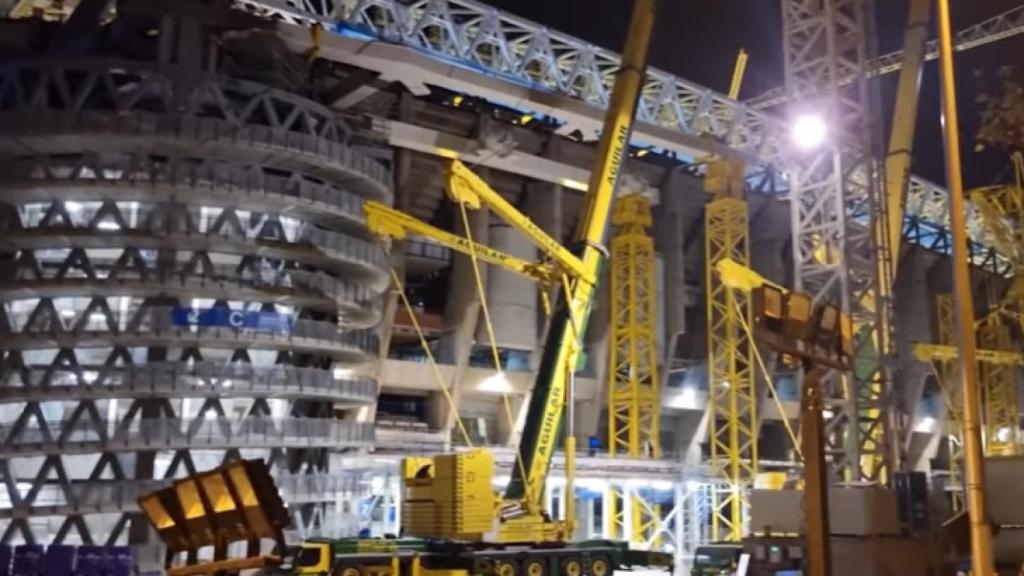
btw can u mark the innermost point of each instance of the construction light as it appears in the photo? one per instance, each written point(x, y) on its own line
point(497, 382)
point(809, 131)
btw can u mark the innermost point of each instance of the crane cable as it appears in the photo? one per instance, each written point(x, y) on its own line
point(490, 329)
point(442, 384)
point(768, 380)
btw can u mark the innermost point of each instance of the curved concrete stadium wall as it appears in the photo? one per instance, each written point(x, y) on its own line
point(184, 277)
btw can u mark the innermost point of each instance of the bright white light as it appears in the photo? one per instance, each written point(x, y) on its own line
point(638, 483)
point(661, 485)
point(72, 206)
point(495, 383)
point(108, 225)
point(343, 373)
point(685, 400)
point(67, 312)
point(827, 413)
point(363, 416)
point(809, 131)
point(1003, 434)
point(594, 484)
point(925, 425)
point(692, 485)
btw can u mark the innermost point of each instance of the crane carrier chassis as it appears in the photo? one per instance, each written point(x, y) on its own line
point(417, 557)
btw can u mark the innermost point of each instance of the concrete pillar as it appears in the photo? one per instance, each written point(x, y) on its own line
point(914, 300)
point(511, 297)
point(461, 317)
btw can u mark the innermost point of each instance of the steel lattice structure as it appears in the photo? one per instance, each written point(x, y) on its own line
point(634, 400)
point(999, 390)
point(946, 323)
point(837, 218)
point(517, 50)
point(732, 397)
point(140, 198)
point(1000, 27)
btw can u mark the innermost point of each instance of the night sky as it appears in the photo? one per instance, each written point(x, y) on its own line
point(699, 40)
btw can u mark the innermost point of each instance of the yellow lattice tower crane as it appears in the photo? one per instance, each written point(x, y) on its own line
point(732, 398)
point(1002, 211)
point(954, 402)
point(633, 396)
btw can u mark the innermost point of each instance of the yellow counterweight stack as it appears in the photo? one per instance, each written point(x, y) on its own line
point(449, 496)
point(633, 398)
point(732, 398)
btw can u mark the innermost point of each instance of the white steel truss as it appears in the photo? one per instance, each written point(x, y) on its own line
point(836, 219)
point(1000, 27)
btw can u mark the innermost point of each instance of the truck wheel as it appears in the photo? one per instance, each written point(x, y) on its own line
point(534, 567)
point(572, 567)
point(349, 570)
point(600, 566)
point(506, 568)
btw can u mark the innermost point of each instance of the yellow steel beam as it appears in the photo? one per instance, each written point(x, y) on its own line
point(387, 222)
point(465, 187)
point(946, 353)
point(732, 399)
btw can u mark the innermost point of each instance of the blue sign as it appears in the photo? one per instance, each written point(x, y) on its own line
point(228, 318)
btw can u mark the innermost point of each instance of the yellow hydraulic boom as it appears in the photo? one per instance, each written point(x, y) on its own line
point(446, 497)
point(385, 221)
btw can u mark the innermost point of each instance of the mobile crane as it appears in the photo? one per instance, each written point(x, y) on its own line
point(453, 523)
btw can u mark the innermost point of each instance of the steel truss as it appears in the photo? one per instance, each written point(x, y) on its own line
point(633, 397)
point(1000, 27)
point(954, 401)
point(999, 390)
point(526, 53)
point(732, 397)
point(839, 240)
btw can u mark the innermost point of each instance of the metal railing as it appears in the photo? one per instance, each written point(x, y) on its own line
point(220, 433)
point(109, 496)
point(158, 321)
point(175, 379)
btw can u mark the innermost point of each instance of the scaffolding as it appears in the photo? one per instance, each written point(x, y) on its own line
point(954, 402)
point(999, 390)
point(633, 398)
point(732, 399)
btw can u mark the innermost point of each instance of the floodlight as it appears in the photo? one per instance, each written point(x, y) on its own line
point(809, 131)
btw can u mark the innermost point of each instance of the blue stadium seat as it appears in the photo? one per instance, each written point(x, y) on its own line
point(59, 560)
point(5, 559)
point(90, 561)
point(28, 560)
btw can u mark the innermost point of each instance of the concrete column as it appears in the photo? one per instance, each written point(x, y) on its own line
point(915, 301)
point(461, 317)
point(511, 297)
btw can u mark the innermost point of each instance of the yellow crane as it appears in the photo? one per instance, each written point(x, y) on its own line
point(732, 395)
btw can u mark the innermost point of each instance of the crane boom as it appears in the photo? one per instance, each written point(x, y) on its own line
point(562, 346)
point(388, 222)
